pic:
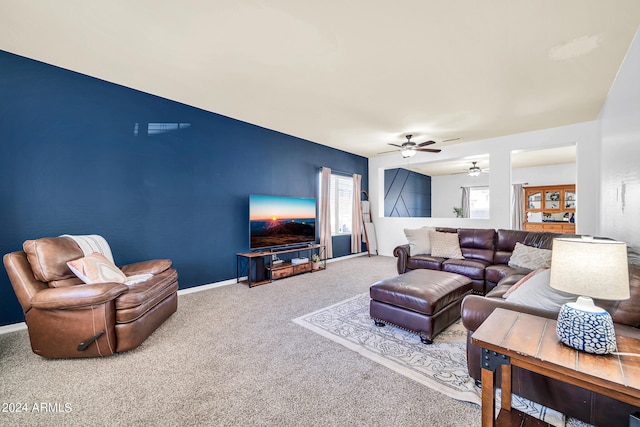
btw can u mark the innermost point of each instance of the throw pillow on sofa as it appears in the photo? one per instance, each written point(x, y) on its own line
point(445, 245)
point(521, 281)
point(419, 242)
point(536, 292)
point(524, 256)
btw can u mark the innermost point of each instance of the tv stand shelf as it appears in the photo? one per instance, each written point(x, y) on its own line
point(260, 267)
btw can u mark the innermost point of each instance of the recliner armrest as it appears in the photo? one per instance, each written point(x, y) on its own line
point(155, 266)
point(476, 308)
point(77, 296)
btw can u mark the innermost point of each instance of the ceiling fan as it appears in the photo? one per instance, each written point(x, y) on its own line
point(410, 148)
point(475, 170)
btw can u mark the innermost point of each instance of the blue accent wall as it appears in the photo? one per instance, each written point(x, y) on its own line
point(78, 156)
point(406, 193)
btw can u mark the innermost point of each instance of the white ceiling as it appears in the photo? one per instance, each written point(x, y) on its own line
point(519, 159)
point(354, 75)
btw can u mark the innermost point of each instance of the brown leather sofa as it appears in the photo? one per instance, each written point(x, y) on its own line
point(568, 399)
point(486, 254)
point(67, 318)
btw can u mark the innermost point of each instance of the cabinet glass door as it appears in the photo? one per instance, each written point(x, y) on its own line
point(569, 200)
point(552, 200)
point(534, 200)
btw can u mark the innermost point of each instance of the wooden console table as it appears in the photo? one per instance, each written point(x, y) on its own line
point(261, 263)
point(509, 338)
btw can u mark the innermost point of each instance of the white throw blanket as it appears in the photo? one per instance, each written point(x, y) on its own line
point(90, 243)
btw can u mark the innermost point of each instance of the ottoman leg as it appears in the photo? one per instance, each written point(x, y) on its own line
point(425, 340)
point(378, 323)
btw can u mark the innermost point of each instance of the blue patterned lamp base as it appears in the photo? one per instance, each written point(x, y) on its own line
point(586, 328)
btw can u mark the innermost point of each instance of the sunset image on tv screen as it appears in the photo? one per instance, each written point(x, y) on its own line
point(277, 221)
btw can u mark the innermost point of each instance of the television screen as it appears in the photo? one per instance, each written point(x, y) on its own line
point(281, 221)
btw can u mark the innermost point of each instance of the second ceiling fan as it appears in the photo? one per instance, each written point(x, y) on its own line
point(410, 148)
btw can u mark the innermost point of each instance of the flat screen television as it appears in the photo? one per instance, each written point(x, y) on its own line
point(278, 221)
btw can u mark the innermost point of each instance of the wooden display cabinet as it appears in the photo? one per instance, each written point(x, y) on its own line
point(550, 208)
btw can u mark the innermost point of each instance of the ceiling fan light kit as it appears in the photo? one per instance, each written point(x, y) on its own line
point(408, 152)
point(474, 170)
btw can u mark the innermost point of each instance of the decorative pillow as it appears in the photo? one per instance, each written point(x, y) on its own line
point(521, 281)
point(419, 242)
point(529, 257)
point(96, 268)
point(445, 245)
point(537, 293)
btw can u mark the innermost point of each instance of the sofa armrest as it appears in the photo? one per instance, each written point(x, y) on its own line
point(476, 308)
point(402, 253)
point(77, 296)
point(155, 266)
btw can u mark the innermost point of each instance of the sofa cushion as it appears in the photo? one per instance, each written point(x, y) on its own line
point(495, 273)
point(529, 257)
point(506, 241)
point(472, 268)
point(445, 245)
point(537, 293)
point(48, 257)
point(419, 242)
point(627, 311)
point(477, 243)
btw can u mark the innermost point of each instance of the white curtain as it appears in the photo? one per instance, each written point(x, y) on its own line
point(517, 206)
point(325, 212)
point(466, 208)
point(356, 216)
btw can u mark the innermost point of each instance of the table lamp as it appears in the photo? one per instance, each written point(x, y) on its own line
point(590, 268)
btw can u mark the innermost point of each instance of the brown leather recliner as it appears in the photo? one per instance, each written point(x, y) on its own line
point(67, 318)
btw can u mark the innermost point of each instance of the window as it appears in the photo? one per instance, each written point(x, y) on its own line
point(341, 204)
point(479, 202)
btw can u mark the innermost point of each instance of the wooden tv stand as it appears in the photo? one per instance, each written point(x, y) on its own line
point(250, 261)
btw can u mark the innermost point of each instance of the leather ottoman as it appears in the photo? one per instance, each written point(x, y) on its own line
point(421, 301)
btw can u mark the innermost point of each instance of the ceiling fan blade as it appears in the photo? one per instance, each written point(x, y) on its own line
point(392, 151)
point(422, 144)
point(395, 145)
point(429, 150)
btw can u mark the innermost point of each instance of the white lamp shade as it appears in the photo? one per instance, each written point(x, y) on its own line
point(594, 268)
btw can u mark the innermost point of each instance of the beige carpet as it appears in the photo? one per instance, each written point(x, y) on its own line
point(231, 356)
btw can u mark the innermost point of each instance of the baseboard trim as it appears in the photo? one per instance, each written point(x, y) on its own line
point(13, 328)
point(209, 286)
point(22, 326)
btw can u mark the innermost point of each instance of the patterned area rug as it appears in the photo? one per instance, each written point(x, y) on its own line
point(441, 366)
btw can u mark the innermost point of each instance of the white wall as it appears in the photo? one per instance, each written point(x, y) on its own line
point(446, 192)
point(585, 135)
point(620, 145)
point(545, 175)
